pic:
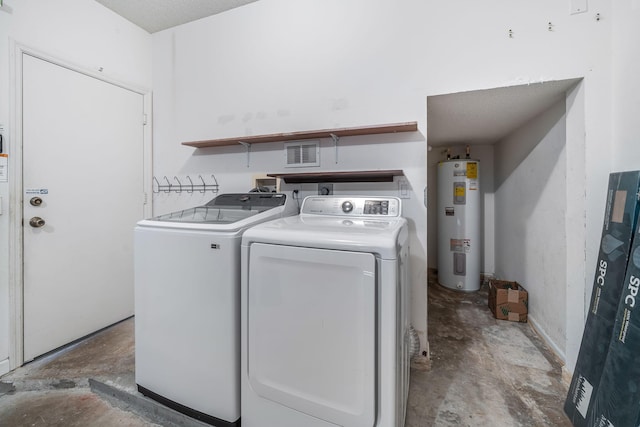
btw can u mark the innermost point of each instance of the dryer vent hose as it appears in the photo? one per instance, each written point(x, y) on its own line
point(414, 343)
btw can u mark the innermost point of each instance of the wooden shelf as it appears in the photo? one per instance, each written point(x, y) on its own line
point(351, 176)
point(314, 134)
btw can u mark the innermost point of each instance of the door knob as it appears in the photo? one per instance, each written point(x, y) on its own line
point(35, 201)
point(36, 222)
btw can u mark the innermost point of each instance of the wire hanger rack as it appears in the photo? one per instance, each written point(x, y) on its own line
point(188, 185)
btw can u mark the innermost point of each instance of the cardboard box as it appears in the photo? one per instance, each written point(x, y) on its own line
point(620, 218)
point(617, 401)
point(508, 300)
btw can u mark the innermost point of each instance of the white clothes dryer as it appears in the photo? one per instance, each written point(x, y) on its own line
point(187, 303)
point(325, 325)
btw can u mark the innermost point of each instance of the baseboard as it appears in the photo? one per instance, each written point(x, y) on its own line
point(567, 376)
point(547, 340)
point(4, 367)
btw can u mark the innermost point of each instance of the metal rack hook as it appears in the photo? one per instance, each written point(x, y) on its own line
point(169, 183)
point(157, 185)
point(189, 178)
point(179, 184)
point(204, 185)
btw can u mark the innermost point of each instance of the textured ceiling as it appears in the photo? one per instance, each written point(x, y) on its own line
point(158, 15)
point(487, 116)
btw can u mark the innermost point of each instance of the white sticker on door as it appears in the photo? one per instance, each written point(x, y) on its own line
point(4, 166)
point(36, 191)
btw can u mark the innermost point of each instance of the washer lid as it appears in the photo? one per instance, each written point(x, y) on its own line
point(227, 212)
point(253, 201)
point(382, 236)
point(208, 214)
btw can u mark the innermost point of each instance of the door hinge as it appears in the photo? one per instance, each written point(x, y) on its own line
point(144, 120)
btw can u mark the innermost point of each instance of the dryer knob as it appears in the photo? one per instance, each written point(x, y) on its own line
point(347, 206)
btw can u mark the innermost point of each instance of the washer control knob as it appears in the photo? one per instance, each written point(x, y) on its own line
point(347, 206)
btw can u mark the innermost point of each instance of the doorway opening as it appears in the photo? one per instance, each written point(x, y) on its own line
point(80, 166)
point(530, 142)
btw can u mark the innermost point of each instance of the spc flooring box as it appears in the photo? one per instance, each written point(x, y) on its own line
point(508, 300)
point(617, 402)
point(618, 228)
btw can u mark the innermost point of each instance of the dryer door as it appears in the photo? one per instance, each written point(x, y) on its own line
point(311, 331)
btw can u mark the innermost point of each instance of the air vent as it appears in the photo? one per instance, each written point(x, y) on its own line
point(299, 154)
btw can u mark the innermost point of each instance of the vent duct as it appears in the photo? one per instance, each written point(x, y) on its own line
point(300, 154)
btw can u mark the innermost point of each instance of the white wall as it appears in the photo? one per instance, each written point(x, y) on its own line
point(275, 66)
point(279, 66)
point(626, 85)
point(262, 70)
point(530, 206)
point(79, 32)
point(484, 154)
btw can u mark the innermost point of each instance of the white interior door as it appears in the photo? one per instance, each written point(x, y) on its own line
point(83, 157)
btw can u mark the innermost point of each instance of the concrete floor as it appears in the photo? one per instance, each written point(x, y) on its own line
point(484, 372)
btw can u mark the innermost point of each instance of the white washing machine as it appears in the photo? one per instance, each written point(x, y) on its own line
point(187, 303)
point(325, 326)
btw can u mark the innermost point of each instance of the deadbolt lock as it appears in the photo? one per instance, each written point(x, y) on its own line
point(35, 201)
point(36, 222)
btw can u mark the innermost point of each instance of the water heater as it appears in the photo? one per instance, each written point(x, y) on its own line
point(459, 224)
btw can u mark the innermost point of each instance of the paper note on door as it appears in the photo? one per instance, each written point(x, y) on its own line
point(4, 167)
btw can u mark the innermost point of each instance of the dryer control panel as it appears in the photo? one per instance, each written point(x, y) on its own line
point(352, 206)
